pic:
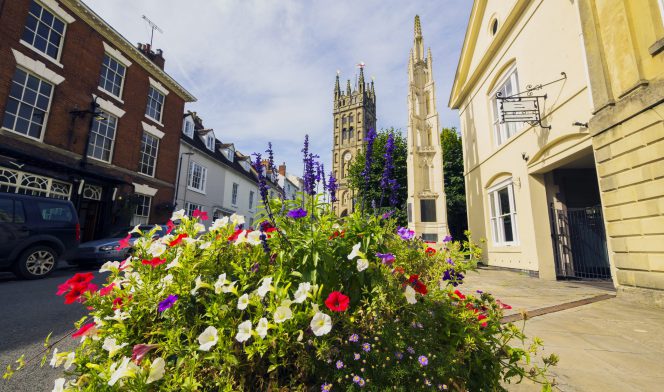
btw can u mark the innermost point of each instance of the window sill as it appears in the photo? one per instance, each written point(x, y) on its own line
point(657, 47)
point(146, 175)
point(42, 54)
point(99, 160)
point(41, 139)
point(154, 121)
point(196, 190)
point(110, 94)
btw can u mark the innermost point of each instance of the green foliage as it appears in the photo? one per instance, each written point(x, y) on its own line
point(413, 328)
point(455, 190)
point(372, 191)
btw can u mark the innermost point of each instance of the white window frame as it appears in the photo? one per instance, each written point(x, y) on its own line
point(93, 133)
point(143, 152)
point(163, 104)
point(496, 221)
point(661, 10)
point(189, 208)
point(503, 132)
point(251, 200)
point(210, 141)
point(203, 177)
point(122, 81)
point(235, 191)
point(46, 113)
point(188, 127)
point(59, 13)
point(142, 219)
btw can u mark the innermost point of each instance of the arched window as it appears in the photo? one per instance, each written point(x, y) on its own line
point(351, 133)
point(350, 119)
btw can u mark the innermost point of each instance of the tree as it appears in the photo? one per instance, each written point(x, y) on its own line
point(455, 189)
point(371, 191)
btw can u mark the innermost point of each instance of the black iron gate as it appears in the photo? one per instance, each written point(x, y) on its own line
point(579, 243)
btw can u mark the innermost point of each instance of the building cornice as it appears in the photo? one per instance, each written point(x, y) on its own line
point(463, 82)
point(113, 36)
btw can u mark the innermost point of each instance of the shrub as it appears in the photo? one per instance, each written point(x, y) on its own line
point(304, 302)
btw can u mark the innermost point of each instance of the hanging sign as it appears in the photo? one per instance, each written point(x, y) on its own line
point(519, 109)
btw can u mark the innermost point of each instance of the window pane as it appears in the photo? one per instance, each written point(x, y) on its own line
point(43, 30)
point(507, 227)
point(504, 200)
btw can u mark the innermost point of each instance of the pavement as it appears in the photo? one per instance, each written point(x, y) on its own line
point(605, 343)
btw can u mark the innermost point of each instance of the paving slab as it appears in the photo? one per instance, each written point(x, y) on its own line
point(608, 345)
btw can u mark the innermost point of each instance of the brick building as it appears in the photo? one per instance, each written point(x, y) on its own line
point(86, 115)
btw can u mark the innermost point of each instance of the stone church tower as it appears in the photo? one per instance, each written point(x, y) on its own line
point(427, 214)
point(354, 114)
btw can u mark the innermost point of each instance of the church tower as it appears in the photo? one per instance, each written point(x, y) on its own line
point(427, 214)
point(354, 114)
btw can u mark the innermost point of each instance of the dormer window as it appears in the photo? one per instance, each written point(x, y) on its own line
point(188, 127)
point(245, 165)
point(209, 141)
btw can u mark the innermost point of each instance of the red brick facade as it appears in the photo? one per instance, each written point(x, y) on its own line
point(60, 154)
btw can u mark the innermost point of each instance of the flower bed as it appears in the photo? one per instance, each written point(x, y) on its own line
point(304, 302)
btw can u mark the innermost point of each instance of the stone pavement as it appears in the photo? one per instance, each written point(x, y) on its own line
point(607, 345)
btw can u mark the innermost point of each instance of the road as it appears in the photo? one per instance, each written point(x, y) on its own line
point(29, 311)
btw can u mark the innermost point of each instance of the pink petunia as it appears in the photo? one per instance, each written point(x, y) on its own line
point(124, 243)
point(85, 330)
point(170, 225)
point(107, 289)
point(139, 351)
point(202, 215)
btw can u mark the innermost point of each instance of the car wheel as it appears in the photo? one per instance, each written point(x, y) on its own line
point(36, 262)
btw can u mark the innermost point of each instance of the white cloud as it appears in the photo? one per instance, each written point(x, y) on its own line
point(264, 70)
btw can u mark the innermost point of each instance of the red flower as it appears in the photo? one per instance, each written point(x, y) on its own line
point(459, 295)
point(270, 229)
point(480, 318)
point(63, 288)
point(77, 291)
point(154, 262)
point(419, 287)
point(178, 239)
point(235, 235)
point(118, 302)
point(338, 233)
point(80, 278)
point(430, 251)
point(398, 270)
point(337, 302)
point(170, 225)
point(124, 243)
point(83, 331)
point(107, 290)
point(202, 215)
point(502, 305)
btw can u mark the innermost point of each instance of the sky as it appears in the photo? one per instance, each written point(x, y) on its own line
point(264, 70)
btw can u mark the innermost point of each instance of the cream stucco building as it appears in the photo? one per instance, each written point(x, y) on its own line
point(578, 193)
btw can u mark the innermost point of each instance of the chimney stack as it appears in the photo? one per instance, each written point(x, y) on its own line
point(282, 169)
point(157, 56)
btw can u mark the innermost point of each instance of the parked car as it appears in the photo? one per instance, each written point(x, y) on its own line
point(35, 232)
point(106, 249)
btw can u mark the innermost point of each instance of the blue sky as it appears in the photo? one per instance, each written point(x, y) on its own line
point(264, 70)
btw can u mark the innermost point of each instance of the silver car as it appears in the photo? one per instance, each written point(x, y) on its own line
point(106, 249)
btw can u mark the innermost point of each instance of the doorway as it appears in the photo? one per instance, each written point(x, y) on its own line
point(577, 225)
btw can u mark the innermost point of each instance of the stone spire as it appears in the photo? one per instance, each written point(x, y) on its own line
point(361, 84)
point(418, 45)
point(337, 89)
point(348, 89)
point(418, 27)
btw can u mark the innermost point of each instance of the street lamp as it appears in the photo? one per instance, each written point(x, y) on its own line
point(95, 116)
point(177, 182)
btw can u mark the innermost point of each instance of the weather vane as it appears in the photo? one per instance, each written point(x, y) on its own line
point(360, 65)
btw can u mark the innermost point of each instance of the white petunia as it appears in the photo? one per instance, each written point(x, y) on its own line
point(59, 385)
point(321, 324)
point(166, 281)
point(265, 287)
point(110, 266)
point(243, 301)
point(362, 264)
point(302, 291)
point(243, 331)
point(199, 227)
point(118, 315)
point(56, 359)
point(282, 314)
point(199, 285)
point(174, 263)
point(136, 230)
point(178, 215)
point(157, 249)
point(410, 295)
point(69, 362)
point(237, 219)
point(219, 223)
point(205, 245)
point(261, 328)
point(241, 238)
point(126, 369)
point(220, 283)
point(253, 238)
point(355, 252)
point(110, 345)
point(208, 338)
point(157, 370)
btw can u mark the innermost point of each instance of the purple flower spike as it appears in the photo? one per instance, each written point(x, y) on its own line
point(332, 188)
point(297, 213)
point(447, 238)
point(168, 302)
